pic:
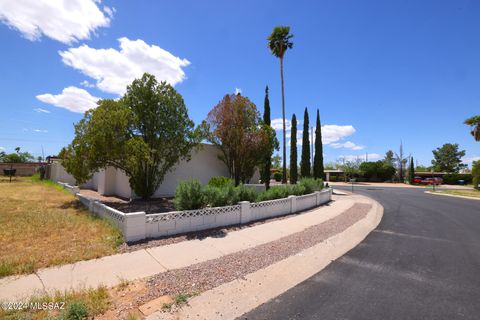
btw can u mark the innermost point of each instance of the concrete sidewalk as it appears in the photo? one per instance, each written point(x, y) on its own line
point(112, 270)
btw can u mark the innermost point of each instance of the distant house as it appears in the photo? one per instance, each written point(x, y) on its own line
point(203, 165)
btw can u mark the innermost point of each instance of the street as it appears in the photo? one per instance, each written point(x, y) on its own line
point(422, 262)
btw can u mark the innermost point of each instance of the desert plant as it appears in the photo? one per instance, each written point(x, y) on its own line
point(77, 311)
point(189, 195)
point(245, 193)
point(219, 197)
point(274, 193)
point(311, 185)
point(220, 181)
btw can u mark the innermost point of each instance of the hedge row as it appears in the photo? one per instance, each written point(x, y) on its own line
point(220, 192)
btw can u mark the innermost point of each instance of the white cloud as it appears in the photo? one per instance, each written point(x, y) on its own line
point(114, 69)
point(277, 124)
point(40, 110)
point(347, 145)
point(64, 21)
point(469, 160)
point(72, 98)
point(361, 157)
point(40, 130)
point(333, 133)
point(238, 90)
point(2, 148)
point(87, 84)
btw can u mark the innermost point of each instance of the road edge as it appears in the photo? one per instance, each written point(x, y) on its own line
point(451, 195)
point(233, 299)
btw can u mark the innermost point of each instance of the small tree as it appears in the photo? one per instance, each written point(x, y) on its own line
point(16, 157)
point(476, 174)
point(305, 167)
point(318, 169)
point(145, 133)
point(411, 175)
point(448, 158)
point(268, 156)
point(234, 126)
point(293, 151)
point(474, 123)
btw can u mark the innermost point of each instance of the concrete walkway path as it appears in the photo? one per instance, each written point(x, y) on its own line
point(112, 270)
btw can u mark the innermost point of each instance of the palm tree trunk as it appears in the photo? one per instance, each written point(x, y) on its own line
point(284, 176)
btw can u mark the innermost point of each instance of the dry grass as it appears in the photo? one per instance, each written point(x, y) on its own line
point(466, 193)
point(43, 225)
point(62, 305)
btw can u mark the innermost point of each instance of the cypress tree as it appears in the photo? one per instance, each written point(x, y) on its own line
point(268, 159)
point(293, 151)
point(411, 176)
point(305, 167)
point(318, 170)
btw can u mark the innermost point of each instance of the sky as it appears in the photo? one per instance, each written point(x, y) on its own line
point(380, 72)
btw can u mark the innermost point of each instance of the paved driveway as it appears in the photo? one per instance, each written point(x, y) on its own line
point(422, 262)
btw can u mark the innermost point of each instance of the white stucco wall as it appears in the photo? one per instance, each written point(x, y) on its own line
point(203, 165)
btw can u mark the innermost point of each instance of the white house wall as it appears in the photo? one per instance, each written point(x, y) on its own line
point(204, 165)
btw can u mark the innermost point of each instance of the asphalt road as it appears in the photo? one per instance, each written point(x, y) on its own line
point(422, 262)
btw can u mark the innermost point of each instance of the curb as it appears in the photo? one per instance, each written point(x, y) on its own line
point(451, 195)
point(233, 299)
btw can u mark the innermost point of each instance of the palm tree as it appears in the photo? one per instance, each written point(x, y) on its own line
point(279, 42)
point(474, 123)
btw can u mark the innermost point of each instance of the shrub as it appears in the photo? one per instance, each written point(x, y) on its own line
point(311, 185)
point(476, 174)
point(274, 193)
point(220, 182)
point(219, 197)
point(277, 176)
point(77, 311)
point(189, 195)
point(452, 178)
point(298, 190)
point(246, 193)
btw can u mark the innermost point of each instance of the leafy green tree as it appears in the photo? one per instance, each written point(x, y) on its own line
point(424, 168)
point(474, 123)
point(293, 151)
point(411, 174)
point(305, 167)
point(389, 158)
point(276, 161)
point(448, 158)
point(318, 169)
point(234, 126)
point(351, 168)
point(16, 157)
point(376, 171)
point(268, 157)
point(279, 42)
point(145, 133)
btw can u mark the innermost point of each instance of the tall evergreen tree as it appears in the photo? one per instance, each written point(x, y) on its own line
point(305, 167)
point(318, 170)
point(411, 174)
point(268, 158)
point(293, 152)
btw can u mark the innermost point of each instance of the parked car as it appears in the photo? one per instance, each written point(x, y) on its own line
point(417, 180)
point(432, 181)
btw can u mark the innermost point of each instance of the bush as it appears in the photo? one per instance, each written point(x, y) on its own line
point(298, 190)
point(189, 195)
point(246, 193)
point(219, 197)
point(274, 193)
point(77, 311)
point(278, 176)
point(476, 174)
point(220, 182)
point(452, 178)
point(311, 185)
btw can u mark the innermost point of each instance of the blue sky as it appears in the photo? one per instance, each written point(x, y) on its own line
point(379, 71)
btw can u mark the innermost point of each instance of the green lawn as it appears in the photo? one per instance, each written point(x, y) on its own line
point(467, 193)
point(43, 225)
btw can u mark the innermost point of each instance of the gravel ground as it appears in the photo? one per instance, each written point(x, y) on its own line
point(210, 274)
